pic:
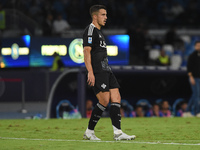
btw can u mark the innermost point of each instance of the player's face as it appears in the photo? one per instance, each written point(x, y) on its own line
point(197, 46)
point(102, 17)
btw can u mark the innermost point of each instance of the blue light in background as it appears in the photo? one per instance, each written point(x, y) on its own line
point(27, 40)
point(122, 41)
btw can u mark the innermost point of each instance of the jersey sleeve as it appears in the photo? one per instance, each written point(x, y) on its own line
point(89, 37)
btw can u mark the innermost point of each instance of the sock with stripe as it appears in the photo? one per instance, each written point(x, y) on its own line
point(115, 116)
point(96, 115)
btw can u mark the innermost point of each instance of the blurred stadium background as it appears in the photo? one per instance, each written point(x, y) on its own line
point(137, 33)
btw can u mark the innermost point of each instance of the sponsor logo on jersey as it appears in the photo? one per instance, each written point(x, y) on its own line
point(103, 44)
point(90, 40)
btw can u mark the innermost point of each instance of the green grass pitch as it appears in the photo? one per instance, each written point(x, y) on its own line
point(58, 134)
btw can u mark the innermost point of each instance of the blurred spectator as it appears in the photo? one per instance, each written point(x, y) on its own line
point(120, 13)
point(66, 110)
point(125, 113)
point(35, 11)
point(163, 59)
point(89, 107)
point(165, 109)
point(60, 25)
point(171, 36)
point(167, 14)
point(154, 112)
point(179, 46)
point(47, 25)
point(2, 18)
point(126, 109)
point(148, 45)
point(57, 63)
point(191, 16)
point(138, 112)
point(137, 43)
point(144, 103)
point(182, 108)
point(193, 69)
point(122, 112)
point(59, 8)
point(177, 9)
point(131, 11)
point(131, 32)
point(47, 7)
point(74, 11)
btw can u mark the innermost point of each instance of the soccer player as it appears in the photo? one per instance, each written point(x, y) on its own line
point(100, 76)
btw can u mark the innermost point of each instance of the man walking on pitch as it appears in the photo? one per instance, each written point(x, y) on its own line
point(100, 76)
point(193, 68)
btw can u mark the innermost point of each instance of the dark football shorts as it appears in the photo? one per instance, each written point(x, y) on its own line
point(105, 81)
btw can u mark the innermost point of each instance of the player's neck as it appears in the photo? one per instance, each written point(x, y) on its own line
point(96, 25)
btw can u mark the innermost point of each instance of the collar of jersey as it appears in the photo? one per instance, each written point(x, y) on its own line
point(93, 25)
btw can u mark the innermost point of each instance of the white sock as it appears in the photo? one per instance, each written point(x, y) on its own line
point(116, 131)
point(89, 131)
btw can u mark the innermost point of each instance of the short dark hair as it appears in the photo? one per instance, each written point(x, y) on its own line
point(196, 42)
point(96, 8)
point(154, 104)
point(164, 101)
point(138, 106)
point(183, 102)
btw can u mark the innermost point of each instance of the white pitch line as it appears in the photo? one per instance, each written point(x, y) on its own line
point(130, 142)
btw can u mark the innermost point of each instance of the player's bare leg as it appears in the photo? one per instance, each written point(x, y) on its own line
point(103, 98)
point(116, 116)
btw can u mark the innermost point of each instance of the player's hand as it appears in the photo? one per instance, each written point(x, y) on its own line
point(192, 81)
point(91, 79)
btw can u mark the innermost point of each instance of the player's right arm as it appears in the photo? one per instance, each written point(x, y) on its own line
point(88, 64)
point(89, 37)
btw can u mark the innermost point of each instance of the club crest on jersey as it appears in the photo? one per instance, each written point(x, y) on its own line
point(90, 40)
